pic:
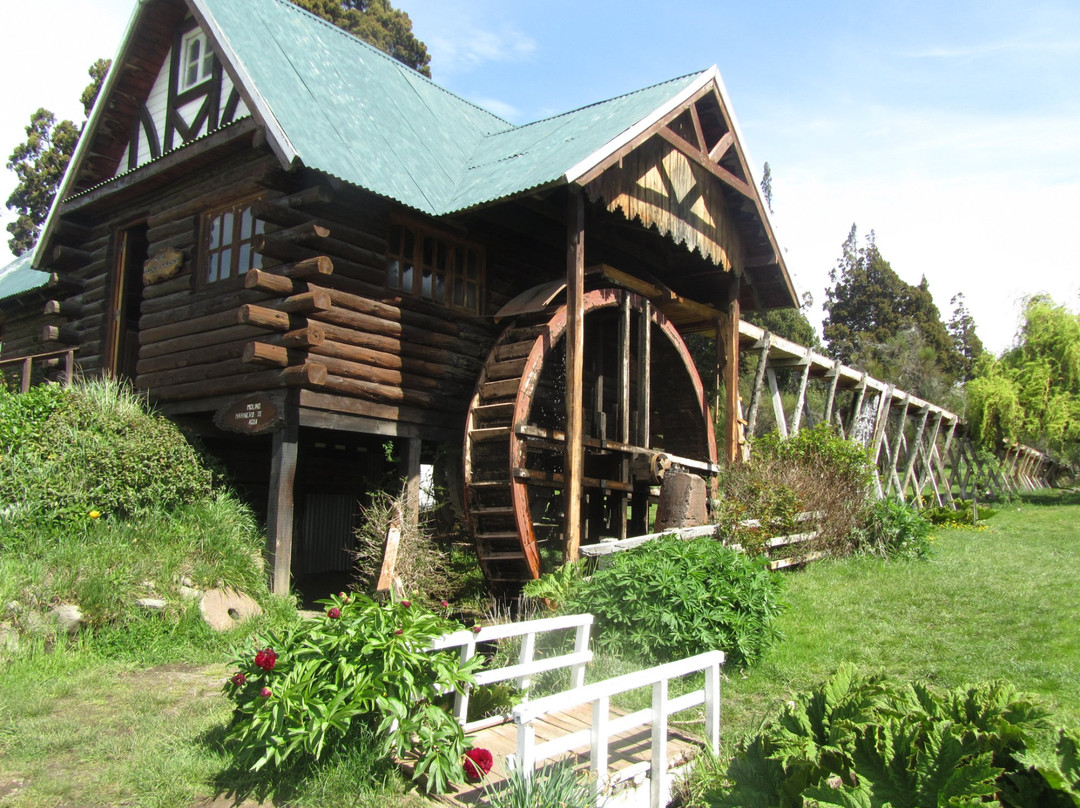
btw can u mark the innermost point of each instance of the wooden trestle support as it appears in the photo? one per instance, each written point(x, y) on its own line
point(646, 410)
point(920, 451)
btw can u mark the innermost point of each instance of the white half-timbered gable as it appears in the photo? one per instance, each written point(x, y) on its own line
point(191, 97)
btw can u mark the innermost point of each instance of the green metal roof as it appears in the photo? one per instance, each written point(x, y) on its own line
point(18, 277)
point(343, 107)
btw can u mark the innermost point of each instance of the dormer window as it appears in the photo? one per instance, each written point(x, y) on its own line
point(196, 59)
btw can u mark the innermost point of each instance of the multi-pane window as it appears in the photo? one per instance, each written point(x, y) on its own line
point(196, 60)
point(434, 267)
point(229, 233)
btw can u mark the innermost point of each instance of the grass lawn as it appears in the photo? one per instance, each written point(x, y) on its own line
point(1002, 602)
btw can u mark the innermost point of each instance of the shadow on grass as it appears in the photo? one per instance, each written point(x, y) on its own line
point(353, 767)
point(1052, 497)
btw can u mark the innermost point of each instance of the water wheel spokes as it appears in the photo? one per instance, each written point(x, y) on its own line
point(645, 405)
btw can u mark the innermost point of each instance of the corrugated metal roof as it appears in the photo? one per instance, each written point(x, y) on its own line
point(18, 277)
point(349, 110)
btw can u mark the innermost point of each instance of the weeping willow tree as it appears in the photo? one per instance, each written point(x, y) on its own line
point(1031, 393)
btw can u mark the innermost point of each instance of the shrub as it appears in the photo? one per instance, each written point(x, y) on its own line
point(670, 599)
point(865, 741)
point(298, 693)
point(94, 447)
point(814, 471)
point(893, 529)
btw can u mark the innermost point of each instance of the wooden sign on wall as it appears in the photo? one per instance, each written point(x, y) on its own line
point(162, 266)
point(253, 415)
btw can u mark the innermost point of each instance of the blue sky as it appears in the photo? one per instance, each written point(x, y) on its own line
point(951, 129)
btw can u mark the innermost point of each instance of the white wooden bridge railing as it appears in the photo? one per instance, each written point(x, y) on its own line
point(604, 727)
point(527, 665)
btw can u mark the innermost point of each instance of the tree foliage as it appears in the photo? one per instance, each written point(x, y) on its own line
point(871, 313)
point(1032, 393)
point(40, 163)
point(967, 342)
point(377, 23)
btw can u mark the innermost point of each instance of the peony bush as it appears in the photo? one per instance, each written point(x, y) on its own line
point(360, 664)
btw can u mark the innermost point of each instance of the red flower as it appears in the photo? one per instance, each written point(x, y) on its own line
point(239, 680)
point(334, 613)
point(477, 764)
point(444, 604)
point(266, 692)
point(398, 631)
point(476, 629)
point(266, 659)
point(406, 603)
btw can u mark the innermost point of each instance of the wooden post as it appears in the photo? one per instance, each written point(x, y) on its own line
point(796, 417)
point(279, 515)
point(759, 379)
point(623, 381)
point(731, 374)
point(913, 453)
point(410, 470)
point(830, 401)
point(777, 403)
point(575, 348)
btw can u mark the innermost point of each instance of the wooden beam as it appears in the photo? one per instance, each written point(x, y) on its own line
point(732, 419)
point(721, 173)
point(830, 400)
point(759, 380)
point(279, 518)
point(796, 418)
point(575, 348)
point(777, 403)
point(410, 468)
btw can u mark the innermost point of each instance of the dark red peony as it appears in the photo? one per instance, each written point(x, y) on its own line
point(334, 613)
point(266, 659)
point(239, 680)
point(477, 764)
point(266, 692)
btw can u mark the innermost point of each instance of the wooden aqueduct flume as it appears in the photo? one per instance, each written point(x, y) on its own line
point(645, 410)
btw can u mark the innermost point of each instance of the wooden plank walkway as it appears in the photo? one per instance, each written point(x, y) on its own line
point(628, 753)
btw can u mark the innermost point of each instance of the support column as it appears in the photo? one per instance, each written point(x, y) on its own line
point(279, 512)
point(575, 348)
point(410, 471)
point(730, 372)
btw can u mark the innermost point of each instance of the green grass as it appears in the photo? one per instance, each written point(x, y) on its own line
point(126, 724)
point(996, 603)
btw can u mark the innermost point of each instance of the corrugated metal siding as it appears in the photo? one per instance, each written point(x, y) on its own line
point(326, 534)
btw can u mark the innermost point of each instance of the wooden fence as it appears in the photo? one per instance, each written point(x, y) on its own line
point(921, 451)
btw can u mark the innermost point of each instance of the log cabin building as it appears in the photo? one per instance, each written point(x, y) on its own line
point(303, 249)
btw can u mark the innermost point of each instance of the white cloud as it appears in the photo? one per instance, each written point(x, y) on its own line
point(505, 111)
point(464, 46)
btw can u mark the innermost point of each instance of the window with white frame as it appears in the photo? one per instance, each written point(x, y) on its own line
point(196, 59)
point(228, 235)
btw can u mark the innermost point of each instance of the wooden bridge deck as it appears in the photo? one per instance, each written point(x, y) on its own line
point(627, 752)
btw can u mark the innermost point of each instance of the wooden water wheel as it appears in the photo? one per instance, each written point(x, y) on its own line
point(645, 410)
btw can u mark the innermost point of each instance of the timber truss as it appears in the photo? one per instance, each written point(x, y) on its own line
point(920, 451)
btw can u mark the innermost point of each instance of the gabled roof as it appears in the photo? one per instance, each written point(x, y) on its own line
point(19, 277)
point(337, 105)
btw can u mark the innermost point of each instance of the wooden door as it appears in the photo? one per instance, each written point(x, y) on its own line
point(125, 302)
